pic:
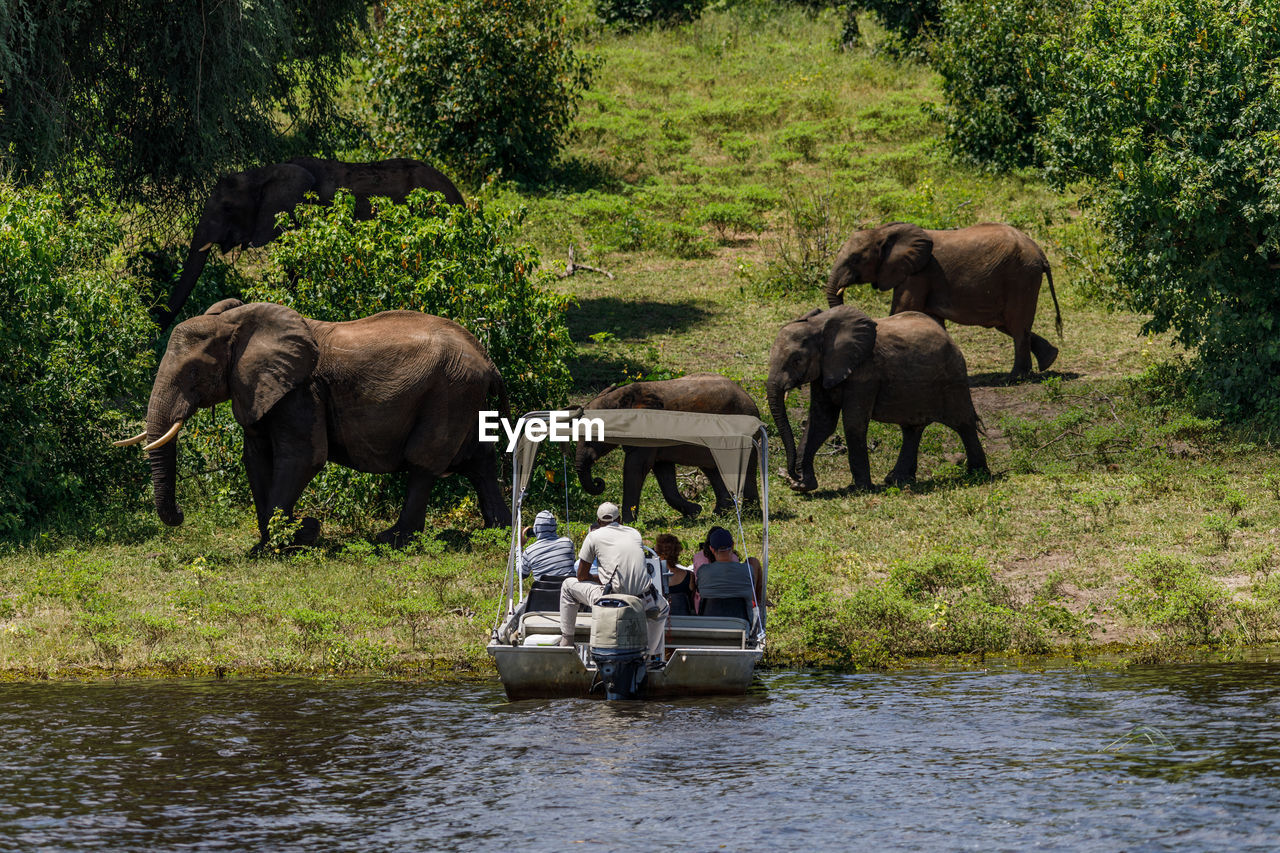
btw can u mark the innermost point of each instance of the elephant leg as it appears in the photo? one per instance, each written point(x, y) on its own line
point(724, 499)
point(635, 468)
point(855, 436)
point(1045, 352)
point(823, 417)
point(257, 467)
point(904, 471)
point(299, 449)
point(483, 475)
point(1021, 353)
point(665, 474)
point(975, 457)
point(413, 514)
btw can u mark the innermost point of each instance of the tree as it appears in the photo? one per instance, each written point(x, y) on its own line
point(1170, 114)
point(152, 97)
point(484, 85)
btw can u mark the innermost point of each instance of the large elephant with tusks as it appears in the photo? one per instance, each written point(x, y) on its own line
point(398, 391)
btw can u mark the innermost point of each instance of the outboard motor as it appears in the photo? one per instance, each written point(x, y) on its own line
point(619, 643)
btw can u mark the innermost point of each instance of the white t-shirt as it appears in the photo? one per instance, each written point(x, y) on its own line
point(621, 556)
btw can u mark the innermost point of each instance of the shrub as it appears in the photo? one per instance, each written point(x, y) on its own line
point(75, 348)
point(1169, 111)
point(427, 256)
point(1000, 62)
point(630, 14)
point(908, 20)
point(1170, 593)
point(485, 85)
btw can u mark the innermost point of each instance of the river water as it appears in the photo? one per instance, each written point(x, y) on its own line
point(1141, 759)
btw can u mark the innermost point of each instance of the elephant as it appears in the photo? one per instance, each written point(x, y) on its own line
point(984, 275)
point(697, 392)
point(242, 209)
point(397, 391)
point(903, 369)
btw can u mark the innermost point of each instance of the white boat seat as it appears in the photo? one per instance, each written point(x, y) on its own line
point(686, 631)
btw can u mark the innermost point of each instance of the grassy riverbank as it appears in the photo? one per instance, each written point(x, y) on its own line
point(717, 167)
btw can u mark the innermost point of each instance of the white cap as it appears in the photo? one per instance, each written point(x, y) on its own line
point(608, 512)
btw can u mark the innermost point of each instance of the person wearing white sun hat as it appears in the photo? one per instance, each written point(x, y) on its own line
point(620, 553)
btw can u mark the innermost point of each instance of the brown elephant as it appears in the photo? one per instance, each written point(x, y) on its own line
point(903, 369)
point(984, 275)
point(697, 392)
point(398, 391)
point(242, 209)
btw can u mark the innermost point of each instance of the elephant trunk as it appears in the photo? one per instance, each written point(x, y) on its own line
point(166, 409)
point(197, 256)
point(586, 457)
point(164, 463)
point(777, 397)
point(836, 284)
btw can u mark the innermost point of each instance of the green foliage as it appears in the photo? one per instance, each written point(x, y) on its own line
point(160, 94)
point(1001, 66)
point(75, 347)
point(1172, 594)
point(907, 20)
point(630, 14)
point(449, 260)
point(485, 85)
point(1170, 112)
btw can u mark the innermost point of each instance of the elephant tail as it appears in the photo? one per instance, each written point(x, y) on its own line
point(1057, 312)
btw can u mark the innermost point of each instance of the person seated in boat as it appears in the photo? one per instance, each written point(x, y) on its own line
point(548, 556)
point(726, 585)
point(620, 553)
point(681, 585)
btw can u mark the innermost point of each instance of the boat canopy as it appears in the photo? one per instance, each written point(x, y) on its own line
point(730, 438)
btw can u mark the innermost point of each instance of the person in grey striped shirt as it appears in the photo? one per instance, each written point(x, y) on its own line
point(548, 555)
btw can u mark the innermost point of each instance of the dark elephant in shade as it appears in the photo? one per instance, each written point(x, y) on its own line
point(242, 209)
point(697, 392)
point(904, 370)
point(985, 275)
point(398, 391)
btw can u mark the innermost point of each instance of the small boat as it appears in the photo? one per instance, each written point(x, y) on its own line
point(705, 655)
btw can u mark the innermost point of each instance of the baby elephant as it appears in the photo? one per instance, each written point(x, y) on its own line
point(904, 370)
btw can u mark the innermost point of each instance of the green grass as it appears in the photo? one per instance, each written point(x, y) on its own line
point(716, 167)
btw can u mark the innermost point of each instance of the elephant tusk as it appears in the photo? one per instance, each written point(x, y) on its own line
point(125, 442)
point(841, 291)
point(166, 438)
point(206, 247)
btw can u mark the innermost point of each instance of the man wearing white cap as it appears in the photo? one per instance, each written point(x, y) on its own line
point(622, 571)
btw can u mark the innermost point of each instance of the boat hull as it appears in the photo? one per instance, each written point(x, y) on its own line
point(554, 672)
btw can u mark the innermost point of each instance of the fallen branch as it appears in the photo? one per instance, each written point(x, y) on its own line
point(573, 267)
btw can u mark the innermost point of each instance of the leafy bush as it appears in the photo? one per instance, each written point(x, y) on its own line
point(75, 347)
point(485, 85)
point(908, 20)
point(630, 14)
point(449, 260)
point(1170, 593)
point(1170, 111)
point(1000, 62)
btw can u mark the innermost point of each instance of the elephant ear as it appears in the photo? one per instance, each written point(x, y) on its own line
point(848, 339)
point(906, 250)
point(224, 305)
point(272, 352)
point(280, 191)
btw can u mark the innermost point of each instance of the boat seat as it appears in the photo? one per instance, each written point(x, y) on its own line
point(544, 595)
point(549, 623)
point(708, 632)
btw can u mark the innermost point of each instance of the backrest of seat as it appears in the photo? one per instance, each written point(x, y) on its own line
point(737, 608)
point(545, 594)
